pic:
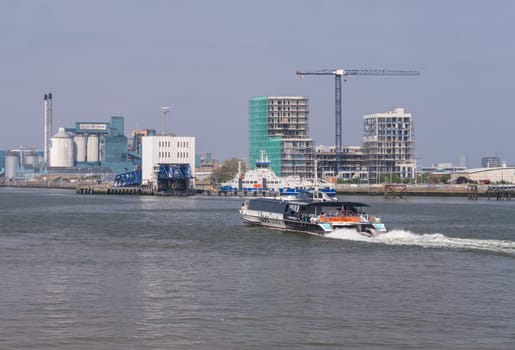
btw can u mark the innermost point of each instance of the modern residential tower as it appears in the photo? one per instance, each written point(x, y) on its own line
point(278, 125)
point(389, 145)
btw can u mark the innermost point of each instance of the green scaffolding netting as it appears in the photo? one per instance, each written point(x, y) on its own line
point(259, 139)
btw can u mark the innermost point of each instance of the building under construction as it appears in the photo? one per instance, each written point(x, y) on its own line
point(351, 167)
point(389, 145)
point(278, 125)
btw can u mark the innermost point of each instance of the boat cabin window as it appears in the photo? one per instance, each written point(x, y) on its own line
point(349, 210)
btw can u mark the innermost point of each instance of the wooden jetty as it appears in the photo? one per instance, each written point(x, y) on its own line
point(108, 189)
point(472, 192)
point(501, 192)
point(394, 191)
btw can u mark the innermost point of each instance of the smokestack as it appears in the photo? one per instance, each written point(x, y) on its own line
point(48, 125)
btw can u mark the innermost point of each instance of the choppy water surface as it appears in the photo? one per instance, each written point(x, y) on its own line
point(116, 272)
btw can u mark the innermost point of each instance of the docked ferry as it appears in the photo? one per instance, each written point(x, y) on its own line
point(314, 216)
point(263, 179)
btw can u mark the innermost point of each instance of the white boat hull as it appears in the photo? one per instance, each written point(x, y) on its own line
point(262, 219)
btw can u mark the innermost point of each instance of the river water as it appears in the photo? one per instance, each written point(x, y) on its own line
point(130, 272)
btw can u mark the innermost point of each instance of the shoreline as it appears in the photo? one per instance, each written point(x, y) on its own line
point(374, 190)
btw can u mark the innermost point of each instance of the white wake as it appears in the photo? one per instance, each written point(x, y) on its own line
point(428, 240)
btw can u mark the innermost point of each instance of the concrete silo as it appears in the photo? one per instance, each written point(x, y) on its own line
point(30, 160)
point(61, 150)
point(92, 150)
point(80, 148)
point(12, 164)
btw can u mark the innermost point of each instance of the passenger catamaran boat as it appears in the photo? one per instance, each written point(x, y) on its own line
point(318, 215)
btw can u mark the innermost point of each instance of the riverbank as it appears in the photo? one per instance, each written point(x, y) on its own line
point(40, 184)
point(388, 191)
point(412, 190)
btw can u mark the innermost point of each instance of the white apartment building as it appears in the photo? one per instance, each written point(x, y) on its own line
point(389, 144)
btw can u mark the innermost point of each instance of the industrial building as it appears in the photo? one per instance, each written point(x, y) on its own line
point(389, 145)
point(168, 163)
point(135, 142)
point(2, 162)
point(98, 146)
point(21, 163)
point(165, 163)
point(278, 125)
point(27, 163)
point(498, 175)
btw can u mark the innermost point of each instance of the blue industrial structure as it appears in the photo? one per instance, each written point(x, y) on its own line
point(174, 177)
point(175, 172)
point(2, 161)
point(170, 177)
point(129, 179)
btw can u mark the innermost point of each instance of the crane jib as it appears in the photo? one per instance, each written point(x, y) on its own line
point(359, 72)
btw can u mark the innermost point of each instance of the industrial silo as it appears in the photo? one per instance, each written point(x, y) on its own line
point(80, 147)
point(61, 150)
point(30, 160)
point(12, 163)
point(92, 152)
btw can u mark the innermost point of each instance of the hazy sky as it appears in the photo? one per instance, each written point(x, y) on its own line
point(205, 59)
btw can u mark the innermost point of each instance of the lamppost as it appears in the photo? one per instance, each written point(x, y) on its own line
point(391, 163)
point(164, 111)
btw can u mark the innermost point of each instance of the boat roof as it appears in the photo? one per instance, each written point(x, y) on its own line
point(315, 203)
point(332, 204)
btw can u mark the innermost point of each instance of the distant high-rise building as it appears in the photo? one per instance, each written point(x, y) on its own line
point(491, 162)
point(389, 144)
point(463, 161)
point(278, 125)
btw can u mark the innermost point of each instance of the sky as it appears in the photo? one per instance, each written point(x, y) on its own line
point(206, 59)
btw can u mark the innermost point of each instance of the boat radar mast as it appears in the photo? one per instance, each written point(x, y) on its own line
point(263, 162)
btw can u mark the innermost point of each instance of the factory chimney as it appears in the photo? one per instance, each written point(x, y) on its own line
point(48, 126)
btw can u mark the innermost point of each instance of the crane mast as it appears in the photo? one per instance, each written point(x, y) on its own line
point(338, 73)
